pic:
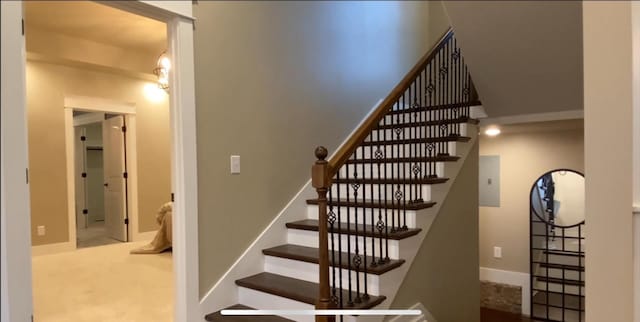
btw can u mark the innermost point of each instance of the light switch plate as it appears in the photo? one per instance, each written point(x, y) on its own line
point(235, 164)
point(41, 231)
point(497, 252)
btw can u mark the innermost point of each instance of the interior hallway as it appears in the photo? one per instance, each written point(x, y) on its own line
point(104, 284)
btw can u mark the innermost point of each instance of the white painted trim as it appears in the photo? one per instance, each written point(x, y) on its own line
point(15, 229)
point(86, 119)
point(636, 265)
point(69, 148)
point(184, 170)
point(510, 278)
point(85, 103)
point(536, 117)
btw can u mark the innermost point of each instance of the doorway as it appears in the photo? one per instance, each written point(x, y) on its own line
point(101, 178)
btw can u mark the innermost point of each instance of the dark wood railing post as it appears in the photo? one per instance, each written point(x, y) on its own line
point(320, 181)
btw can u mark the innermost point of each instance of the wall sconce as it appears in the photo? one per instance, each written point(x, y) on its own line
point(163, 66)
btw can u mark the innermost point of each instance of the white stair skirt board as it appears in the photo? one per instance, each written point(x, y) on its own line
point(312, 213)
point(309, 272)
point(510, 278)
point(399, 170)
point(226, 293)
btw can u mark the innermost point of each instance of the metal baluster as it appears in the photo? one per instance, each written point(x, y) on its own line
point(373, 222)
point(332, 220)
point(365, 296)
point(350, 300)
point(341, 304)
point(380, 224)
point(395, 170)
point(386, 208)
point(404, 171)
point(357, 260)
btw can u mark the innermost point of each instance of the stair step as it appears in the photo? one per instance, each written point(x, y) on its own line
point(391, 181)
point(218, 317)
point(435, 107)
point(561, 266)
point(450, 138)
point(376, 204)
point(363, 230)
point(298, 290)
point(559, 280)
point(443, 158)
point(428, 123)
point(310, 255)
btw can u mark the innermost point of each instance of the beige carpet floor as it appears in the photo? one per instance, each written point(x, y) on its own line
point(103, 284)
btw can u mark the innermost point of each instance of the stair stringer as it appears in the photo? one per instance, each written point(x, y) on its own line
point(391, 284)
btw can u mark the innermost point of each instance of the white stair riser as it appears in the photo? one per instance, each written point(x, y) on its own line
point(265, 301)
point(309, 272)
point(406, 150)
point(416, 132)
point(557, 273)
point(312, 213)
point(380, 192)
point(310, 239)
point(391, 170)
point(555, 287)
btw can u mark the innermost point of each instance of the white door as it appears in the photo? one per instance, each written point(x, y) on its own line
point(115, 183)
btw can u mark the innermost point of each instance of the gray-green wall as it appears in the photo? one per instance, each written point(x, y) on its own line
point(444, 275)
point(273, 81)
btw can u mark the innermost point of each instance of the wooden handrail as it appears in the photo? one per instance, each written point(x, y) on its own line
point(342, 155)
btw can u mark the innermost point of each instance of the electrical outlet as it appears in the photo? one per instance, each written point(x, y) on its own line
point(41, 231)
point(497, 252)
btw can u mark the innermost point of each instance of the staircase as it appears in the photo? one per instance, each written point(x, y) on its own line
point(375, 199)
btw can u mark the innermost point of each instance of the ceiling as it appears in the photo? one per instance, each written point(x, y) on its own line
point(525, 57)
point(96, 22)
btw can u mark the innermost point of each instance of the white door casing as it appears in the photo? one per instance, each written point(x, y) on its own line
point(115, 183)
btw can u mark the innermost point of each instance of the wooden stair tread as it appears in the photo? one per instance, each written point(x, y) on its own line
point(441, 158)
point(561, 266)
point(428, 123)
point(349, 229)
point(311, 255)
point(450, 138)
point(218, 317)
point(435, 107)
point(391, 181)
point(556, 280)
point(298, 290)
point(376, 204)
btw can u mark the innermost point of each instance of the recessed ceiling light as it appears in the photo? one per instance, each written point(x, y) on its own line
point(492, 131)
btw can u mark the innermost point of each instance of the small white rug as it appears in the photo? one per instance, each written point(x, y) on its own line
point(104, 284)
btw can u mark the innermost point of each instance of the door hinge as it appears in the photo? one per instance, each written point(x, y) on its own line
point(126, 221)
point(83, 138)
point(124, 128)
point(84, 174)
point(85, 211)
point(27, 174)
point(125, 175)
point(172, 197)
point(23, 35)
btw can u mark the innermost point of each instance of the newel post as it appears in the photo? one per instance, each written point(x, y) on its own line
point(320, 181)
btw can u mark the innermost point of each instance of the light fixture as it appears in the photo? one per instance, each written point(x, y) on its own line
point(163, 66)
point(492, 131)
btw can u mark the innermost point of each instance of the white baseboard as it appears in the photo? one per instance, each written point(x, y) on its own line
point(148, 235)
point(510, 278)
point(49, 249)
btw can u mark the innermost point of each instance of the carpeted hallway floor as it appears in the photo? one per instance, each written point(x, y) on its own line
point(104, 284)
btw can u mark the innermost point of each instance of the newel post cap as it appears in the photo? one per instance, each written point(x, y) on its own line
point(321, 153)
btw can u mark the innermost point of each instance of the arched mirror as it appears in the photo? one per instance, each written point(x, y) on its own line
point(557, 246)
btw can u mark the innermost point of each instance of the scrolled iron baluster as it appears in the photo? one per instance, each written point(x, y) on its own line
point(357, 260)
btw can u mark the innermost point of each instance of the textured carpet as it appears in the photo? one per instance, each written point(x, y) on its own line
point(103, 283)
